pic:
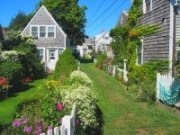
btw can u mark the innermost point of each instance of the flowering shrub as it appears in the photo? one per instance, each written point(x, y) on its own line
point(3, 84)
point(80, 77)
point(56, 102)
point(85, 100)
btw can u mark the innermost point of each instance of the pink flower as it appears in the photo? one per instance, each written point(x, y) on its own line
point(16, 123)
point(24, 120)
point(49, 128)
point(59, 106)
point(28, 129)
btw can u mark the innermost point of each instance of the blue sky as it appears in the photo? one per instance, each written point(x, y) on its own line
point(96, 22)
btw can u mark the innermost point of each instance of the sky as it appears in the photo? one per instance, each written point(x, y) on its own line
point(101, 15)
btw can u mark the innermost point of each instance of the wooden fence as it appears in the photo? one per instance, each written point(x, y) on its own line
point(114, 70)
point(67, 127)
point(168, 90)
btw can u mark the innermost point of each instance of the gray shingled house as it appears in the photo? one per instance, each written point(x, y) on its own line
point(49, 37)
point(162, 45)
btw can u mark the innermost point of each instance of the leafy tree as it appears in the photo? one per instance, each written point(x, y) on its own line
point(70, 16)
point(20, 21)
point(1, 34)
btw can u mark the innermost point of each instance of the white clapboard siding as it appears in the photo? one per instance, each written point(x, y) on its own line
point(67, 127)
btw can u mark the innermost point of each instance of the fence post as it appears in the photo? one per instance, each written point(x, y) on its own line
point(56, 131)
point(50, 132)
point(79, 65)
point(157, 86)
point(114, 71)
point(125, 70)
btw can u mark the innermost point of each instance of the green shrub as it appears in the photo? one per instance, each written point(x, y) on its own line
point(144, 76)
point(65, 65)
point(32, 66)
point(79, 77)
point(100, 59)
point(12, 70)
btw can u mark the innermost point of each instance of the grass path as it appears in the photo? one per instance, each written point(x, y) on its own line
point(122, 115)
point(8, 106)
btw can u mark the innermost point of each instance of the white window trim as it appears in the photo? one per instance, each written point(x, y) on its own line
point(142, 53)
point(38, 26)
point(144, 7)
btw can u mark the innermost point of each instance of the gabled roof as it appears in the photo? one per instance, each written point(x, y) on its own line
point(49, 14)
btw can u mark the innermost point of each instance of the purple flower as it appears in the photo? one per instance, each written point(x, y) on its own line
point(16, 123)
point(28, 129)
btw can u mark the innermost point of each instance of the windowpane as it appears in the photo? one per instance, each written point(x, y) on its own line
point(50, 31)
point(148, 5)
point(34, 32)
point(139, 51)
point(52, 54)
point(40, 53)
point(42, 31)
point(60, 51)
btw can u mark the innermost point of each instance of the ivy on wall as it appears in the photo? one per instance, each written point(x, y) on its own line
point(126, 41)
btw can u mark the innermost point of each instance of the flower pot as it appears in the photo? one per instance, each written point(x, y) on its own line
point(99, 67)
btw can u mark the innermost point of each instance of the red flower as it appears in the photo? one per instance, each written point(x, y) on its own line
point(3, 82)
point(59, 106)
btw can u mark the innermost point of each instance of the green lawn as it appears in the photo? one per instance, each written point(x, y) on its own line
point(8, 106)
point(122, 115)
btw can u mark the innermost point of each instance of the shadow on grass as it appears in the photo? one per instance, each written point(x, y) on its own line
point(86, 60)
point(98, 130)
point(15, 90)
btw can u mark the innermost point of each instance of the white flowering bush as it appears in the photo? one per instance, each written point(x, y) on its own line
point(81, 78)
point(9, 54)
point(85, 100)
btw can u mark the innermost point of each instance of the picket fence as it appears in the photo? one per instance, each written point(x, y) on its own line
point(168, 90)
point(67, 127)
point(112, 70)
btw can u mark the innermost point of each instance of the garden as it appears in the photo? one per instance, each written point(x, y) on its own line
point(55, 98)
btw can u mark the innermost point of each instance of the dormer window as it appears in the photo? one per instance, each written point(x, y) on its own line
point(34, 31)
point(51, 31)
point(147, 6)
point(43, 31)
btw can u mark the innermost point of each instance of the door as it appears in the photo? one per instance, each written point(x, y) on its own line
point(51, 63)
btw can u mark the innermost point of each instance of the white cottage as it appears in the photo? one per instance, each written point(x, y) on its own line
point(103, 43)
point(49, 37)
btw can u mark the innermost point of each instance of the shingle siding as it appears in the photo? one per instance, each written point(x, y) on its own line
point(157, 46)
point(42, 18)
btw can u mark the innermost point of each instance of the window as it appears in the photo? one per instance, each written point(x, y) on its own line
point(51, 31)
point(140, 53)
point(52, 54)
point(60, 51)
point(40, 54)
point(147, 6)
point(42, 31)
point(34, 32)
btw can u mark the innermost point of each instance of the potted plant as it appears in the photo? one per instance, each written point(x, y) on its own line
point(4, 87)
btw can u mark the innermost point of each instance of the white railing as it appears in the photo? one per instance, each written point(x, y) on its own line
point(67, 127)
point(168, 90)
point(124, 71)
